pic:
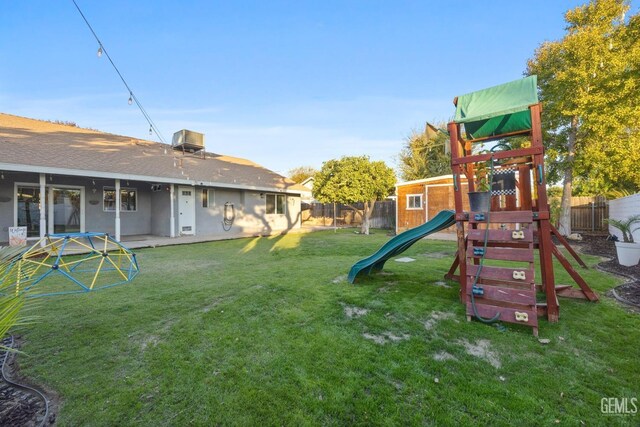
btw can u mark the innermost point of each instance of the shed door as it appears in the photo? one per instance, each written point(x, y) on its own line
point(439, 198)
point(187, 211)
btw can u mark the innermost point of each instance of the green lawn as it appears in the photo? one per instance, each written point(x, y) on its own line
point(267, 331)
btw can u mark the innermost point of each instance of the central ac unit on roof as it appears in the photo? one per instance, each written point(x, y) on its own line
point(188, 140)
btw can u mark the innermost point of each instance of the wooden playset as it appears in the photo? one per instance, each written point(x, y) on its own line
point(517, 222)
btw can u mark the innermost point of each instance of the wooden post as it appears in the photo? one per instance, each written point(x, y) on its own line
point(454, 130)
point(544, 229)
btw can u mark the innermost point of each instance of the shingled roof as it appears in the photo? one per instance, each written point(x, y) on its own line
point(31, 145)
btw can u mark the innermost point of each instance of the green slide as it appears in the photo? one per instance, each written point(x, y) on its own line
point(401, 243)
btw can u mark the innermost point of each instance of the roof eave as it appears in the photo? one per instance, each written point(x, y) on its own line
point(133, 177)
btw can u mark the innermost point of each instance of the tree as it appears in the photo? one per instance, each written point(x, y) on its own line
point(590, 88)
point(424, 154)
point(352, 180)
point(301, 173)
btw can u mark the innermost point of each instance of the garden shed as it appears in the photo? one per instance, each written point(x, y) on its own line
point(420, 200)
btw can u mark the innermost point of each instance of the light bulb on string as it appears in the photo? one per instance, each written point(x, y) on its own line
point(99, 53)
point(150, 130)
point(2, 175)
point(130, 101)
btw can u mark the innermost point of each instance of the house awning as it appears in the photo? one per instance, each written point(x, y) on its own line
point(498, 110)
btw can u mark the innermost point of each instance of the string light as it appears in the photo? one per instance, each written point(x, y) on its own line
point(132, 96)
point(2, 173)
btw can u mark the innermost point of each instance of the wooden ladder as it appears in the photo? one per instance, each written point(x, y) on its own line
point(508, 289)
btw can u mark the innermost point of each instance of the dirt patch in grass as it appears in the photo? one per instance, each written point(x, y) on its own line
point(149, 341)
point(386, 287)
point(443, 356)
point(481, 349)
point(438, 255)
point(441, 284)
point(386, 337)
point(213, 304)
point(353, 312)
point(435, 317)
point(340, 279)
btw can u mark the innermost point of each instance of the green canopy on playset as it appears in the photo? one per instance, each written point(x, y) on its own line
point(498, 110)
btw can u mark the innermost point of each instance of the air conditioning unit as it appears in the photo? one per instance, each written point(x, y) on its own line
point(188, 140)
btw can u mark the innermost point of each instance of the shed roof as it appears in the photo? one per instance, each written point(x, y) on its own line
point(442, 179)
point(41, 146)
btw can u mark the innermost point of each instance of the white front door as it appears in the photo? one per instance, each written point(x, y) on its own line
point(186, 210)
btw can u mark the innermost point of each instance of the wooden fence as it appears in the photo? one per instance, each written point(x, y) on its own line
point(588, 214)
point(384, 214)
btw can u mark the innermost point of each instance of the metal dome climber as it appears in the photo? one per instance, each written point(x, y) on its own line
point(84, 261)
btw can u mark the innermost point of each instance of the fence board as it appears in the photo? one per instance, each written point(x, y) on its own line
point(588, 214)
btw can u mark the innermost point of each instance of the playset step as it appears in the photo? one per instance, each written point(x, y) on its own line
point(507, 293)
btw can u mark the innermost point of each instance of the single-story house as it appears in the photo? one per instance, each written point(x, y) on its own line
point(420, 200)
point(58, 178)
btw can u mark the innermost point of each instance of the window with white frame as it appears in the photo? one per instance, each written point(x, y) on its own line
point(414, 201)
point(128, 199)
point(275, 203)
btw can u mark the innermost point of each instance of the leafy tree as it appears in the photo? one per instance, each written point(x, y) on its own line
point(590, 88)
point(301, 173)
point(352, 180)
point(424, 155)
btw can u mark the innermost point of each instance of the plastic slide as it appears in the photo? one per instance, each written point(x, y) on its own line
point(401, 243)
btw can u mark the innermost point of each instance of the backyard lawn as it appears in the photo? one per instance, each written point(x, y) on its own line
point(266, 331)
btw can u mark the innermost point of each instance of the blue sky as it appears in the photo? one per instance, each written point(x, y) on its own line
point(284, 84)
